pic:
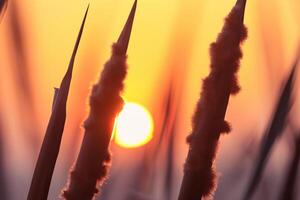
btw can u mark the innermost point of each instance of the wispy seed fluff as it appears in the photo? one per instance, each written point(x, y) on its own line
point(225, 62)
point(208, 121)
point(93, 161)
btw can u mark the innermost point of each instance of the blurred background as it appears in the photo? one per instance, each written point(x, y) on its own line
point(168, 56)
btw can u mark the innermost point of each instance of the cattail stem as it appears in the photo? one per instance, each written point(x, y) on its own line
point(94, 157)
point(208, 121)
point(93, 160)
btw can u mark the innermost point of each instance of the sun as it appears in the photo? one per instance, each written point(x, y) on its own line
point(134, 126)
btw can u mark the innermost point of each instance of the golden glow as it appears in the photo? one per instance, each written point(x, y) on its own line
point(134, 126)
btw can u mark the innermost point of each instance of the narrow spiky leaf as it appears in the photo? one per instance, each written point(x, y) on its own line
point(276, 128)
point(289, 188)
point(124, 37)
point(170, 160)
point(3, 186)
point(208, 121)
point(167, 113)
point(50, 148)
point(3, 180)
point(144, 178)
point(3, 4)
point(21, 74)
point(93, 160)
point(18, 40)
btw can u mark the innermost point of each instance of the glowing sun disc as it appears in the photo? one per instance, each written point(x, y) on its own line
point(134, 126)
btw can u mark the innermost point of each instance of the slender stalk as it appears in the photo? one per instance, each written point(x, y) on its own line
point(18, 40)
point(22, 75)
point(276, 128)
point(170, 160)
point(3, 185)
point(288, 192)
point(3, 180)
point(50, 148)
point(3, 5)
point(208, 121)
point(93, 160)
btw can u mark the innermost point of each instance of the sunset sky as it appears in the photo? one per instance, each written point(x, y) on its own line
point(170, 38)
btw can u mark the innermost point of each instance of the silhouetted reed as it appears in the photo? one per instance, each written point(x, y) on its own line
point(3, 180)
point(169, 174)
point(18, 39)
point(3, 186)
point(22, 74)
point(93, 160)
point(208, 122)
point(275, 130)
point(145, 176)
point(3, 5)
point(50, 148)
point(272, 43)
point(289, 187)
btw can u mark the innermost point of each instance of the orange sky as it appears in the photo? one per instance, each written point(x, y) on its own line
point(167, 36)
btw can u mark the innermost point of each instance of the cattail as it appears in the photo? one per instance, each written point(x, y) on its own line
point(208, 122)
point(276, 128)
point(50, 148)
point(94, 157)
point(289, 188)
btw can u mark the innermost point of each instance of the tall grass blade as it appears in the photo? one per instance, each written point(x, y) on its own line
point(276, 128)
point(3, 5)
point(3, 186)
point(93, 160)
point(22, 76)
point(143, 181)
point(50, 148)
point(3, 180)
point(289, 189)
point(208, 122)
point(170, 160)
point(18, 43)
point(167, 112)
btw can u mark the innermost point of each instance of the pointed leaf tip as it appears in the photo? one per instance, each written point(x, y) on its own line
point(241, 4)
point(71, 63)
point(124, 38)
point(80, 31)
